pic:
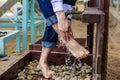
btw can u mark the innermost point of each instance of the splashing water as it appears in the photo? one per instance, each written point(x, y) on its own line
point(68, 60)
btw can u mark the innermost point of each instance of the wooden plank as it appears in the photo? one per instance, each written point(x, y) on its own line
point(38, 47)
point(105, 40)
point(90, 30)
point(18, 63)
point(91, 15)
point(58, 58)
point(94, 15)
point(79, 40)
point(98, 52)
point(6, 6)
point(13, 66)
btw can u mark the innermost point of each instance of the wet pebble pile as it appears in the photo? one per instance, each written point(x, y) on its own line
point(63, 72)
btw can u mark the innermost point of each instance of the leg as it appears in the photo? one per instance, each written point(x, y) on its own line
point(77, 50)
point(49, 38)
point(48, 42)
point(47, 73)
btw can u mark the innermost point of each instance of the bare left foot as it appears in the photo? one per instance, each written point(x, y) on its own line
point(47, 73)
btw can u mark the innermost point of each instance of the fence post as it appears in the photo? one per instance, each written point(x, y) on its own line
point(105, 8)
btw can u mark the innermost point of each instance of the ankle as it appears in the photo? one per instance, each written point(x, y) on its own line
point(42, 63)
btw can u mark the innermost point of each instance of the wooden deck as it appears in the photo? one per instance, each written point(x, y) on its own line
point(12, 66)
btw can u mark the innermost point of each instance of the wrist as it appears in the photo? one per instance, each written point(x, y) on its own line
point(60, 15)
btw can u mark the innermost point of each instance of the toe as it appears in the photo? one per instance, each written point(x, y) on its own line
point(47, 76)
point(37, 68)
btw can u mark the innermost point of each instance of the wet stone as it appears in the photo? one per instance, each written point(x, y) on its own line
point(63, 72)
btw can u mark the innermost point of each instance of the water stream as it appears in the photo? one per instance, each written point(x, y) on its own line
point(70, 62)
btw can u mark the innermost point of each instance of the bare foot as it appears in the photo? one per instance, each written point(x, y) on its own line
point(76, 49)
point(47, 73)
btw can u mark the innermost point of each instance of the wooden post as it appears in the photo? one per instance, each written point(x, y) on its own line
point(104, 5)
point(98, 51)
point(90, 30)
point(94, 15)
point(105, 8)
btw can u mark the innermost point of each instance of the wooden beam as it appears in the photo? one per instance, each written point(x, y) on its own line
point(15, 66)
point(90, 30)
point(91, 3)
point(105, 39)
point(7, 5)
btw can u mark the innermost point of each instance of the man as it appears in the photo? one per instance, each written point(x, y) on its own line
point(57, 25)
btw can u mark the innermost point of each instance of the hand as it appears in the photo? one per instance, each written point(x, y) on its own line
point(63, 26)
point(62, 41)
point(70, 30)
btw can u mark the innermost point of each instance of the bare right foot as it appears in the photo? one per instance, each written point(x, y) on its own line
point(76, 49)
point(47, 73)
point(73, 46)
